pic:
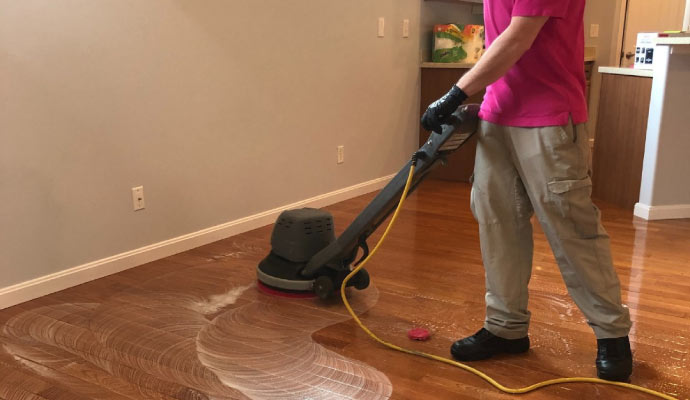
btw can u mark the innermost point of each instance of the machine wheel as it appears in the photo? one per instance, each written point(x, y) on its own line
point(361, 279)
point(323, 287)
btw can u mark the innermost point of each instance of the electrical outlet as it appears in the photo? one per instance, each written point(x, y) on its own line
point(406, 28)
point(341, 154)
point(138, 198)
point(594, 30)
point(382, 27)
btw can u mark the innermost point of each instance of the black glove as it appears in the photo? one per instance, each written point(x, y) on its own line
point(440, 110)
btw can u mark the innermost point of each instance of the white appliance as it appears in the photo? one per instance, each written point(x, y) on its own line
point(644, 50)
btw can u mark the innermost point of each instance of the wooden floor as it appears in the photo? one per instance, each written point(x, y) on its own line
point(194, 326)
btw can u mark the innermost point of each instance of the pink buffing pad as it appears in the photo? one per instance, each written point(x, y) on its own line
point(420, 334)
point(275, 292)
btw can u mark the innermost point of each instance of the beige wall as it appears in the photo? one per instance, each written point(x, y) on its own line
point(605, 13)
point(221, 109)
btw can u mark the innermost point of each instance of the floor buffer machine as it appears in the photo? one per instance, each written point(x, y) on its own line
point(305, 254)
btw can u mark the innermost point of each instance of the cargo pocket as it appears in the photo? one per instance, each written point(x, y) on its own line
point(571, 200)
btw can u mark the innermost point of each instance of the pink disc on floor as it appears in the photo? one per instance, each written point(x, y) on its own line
point(289, 294)
point(420, 334)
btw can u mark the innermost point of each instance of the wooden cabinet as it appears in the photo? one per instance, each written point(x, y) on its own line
point(620, 142)
point(435, 83)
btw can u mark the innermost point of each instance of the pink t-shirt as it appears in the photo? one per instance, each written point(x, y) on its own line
point(547, 85)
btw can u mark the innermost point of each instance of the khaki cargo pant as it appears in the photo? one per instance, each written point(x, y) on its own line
point(520, 171)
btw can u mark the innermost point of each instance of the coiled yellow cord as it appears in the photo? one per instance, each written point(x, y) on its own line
point(475, 371)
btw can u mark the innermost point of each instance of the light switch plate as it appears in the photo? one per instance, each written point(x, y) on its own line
point(138, 198)
point(594, 30)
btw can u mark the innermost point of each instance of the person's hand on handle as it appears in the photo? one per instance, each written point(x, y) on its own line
point(440, 111)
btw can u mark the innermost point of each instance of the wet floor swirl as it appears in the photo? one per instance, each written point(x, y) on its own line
point(219, 339)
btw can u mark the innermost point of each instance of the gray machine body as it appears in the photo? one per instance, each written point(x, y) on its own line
point(299, 234)
point(303, 245)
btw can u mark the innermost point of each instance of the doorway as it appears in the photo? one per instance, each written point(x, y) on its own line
point(649, 16)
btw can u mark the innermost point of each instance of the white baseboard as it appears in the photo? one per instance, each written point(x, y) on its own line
point(675, 211)
point(47, 284)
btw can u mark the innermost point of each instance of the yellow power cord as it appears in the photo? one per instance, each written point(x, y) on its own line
point(482, 375)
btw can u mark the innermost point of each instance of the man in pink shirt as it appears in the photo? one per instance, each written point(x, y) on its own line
point(532, 157)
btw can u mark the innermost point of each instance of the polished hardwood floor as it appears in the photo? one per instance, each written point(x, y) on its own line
point(194, 325)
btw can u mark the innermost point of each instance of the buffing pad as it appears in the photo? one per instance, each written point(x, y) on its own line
point(292, 295)
point(420, 334)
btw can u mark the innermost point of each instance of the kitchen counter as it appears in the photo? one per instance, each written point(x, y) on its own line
point(642, 145)
point(665, 185)
point(588, 58)
point(626, 71)
point(447, 65)
point(673, 40)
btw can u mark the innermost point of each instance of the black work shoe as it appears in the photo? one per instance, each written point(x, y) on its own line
point(484, 344)
point(614, 359)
